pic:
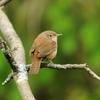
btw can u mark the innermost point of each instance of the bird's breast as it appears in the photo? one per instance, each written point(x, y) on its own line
point(52, 55)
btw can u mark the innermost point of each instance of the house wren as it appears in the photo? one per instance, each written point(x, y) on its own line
point(44, 46)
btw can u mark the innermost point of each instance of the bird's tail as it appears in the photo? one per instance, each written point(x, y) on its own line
point(35, 67)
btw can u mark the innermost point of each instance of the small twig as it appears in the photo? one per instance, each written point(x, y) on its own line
point(94, 75)
point(4, 2)
point(8, 79)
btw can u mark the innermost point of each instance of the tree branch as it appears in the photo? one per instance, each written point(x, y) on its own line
point(70, 66)
point(7, 52)
point(75, 66)
point(18, 55)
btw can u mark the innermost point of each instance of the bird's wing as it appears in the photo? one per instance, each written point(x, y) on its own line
point(46, 48)
point(37, 42)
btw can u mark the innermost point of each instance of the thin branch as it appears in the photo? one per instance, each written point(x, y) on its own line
point(18, 55)
point(70, 66)
point(66, 66)
point(75, 66)
point(8, 79)
point(92, 73)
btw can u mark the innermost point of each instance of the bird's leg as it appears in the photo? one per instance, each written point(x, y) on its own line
point(50, 62)
point(46, 61)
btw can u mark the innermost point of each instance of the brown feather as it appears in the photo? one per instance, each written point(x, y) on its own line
point(35, 67)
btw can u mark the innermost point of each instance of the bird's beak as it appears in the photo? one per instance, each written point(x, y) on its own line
point(59, 34)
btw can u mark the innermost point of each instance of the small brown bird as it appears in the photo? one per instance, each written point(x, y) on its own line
point(44, 46)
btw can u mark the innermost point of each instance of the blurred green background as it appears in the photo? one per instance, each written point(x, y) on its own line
point(79, 22)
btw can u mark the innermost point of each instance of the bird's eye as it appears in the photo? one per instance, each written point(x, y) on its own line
point(50, 35)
